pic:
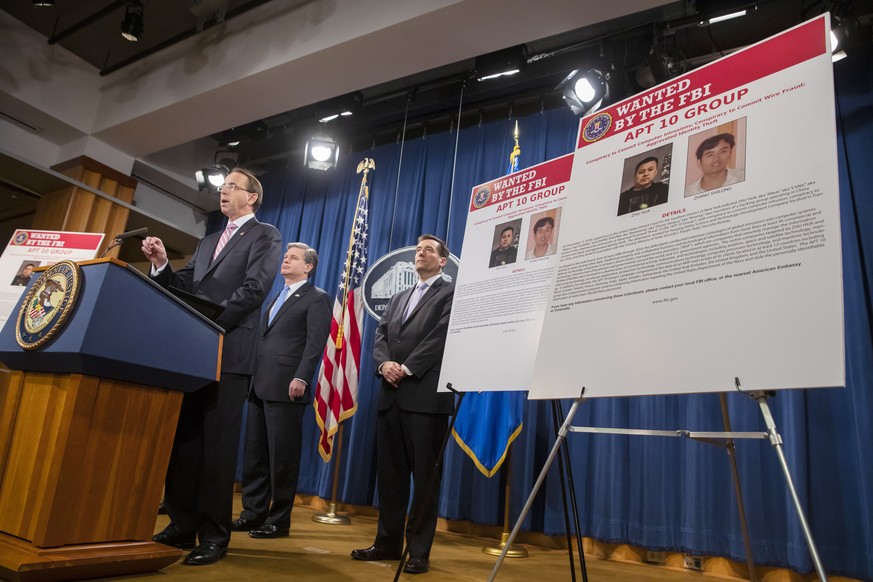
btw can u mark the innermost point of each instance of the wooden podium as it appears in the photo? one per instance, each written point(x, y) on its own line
point(87, 424)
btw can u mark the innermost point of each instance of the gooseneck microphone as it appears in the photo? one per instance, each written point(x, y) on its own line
point(120, 238)
point(126, 235)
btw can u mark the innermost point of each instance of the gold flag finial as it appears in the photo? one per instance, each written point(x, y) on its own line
point(366, 165)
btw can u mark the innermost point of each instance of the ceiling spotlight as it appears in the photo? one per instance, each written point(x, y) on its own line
point(44, 3)
point(344, 113)
point(501, 63)
point(132, 27)
point(210, 179)
point(585, 90)
point(322, 153)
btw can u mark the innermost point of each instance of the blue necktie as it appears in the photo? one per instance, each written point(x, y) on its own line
point(415, 298)
point(278, 304)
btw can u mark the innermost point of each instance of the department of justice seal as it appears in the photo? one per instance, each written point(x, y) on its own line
point(47, 306)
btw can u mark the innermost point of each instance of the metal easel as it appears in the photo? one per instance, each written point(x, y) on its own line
point(722, 439)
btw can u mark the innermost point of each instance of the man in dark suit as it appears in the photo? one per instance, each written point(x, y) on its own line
point(292, 337)
point(234, 269)
point(413, 416)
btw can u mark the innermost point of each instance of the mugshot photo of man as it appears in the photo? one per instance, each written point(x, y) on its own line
point(542, 237)
point(717, 160)
point(506, 251)
point(647, 189)
point(24, 275)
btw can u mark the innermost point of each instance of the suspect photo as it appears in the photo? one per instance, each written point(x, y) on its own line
point(716, 158)
point(24, 274)
point(505, 244)
point(543, 235)
point(645, 181)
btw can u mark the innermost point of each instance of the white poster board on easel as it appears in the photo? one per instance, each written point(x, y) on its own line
point(734, 268)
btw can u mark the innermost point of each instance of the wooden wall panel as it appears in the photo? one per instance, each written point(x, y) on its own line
point(78, 210)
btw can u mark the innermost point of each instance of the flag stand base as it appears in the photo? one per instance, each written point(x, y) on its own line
point(514, 551)
point(331, 518)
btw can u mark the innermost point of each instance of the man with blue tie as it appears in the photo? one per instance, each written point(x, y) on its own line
point(234, 269)
point(291, 339)
point(413, 416)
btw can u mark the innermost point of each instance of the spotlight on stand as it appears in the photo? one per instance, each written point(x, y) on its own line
point(585, 90)
point(132, 27)
point(322, 153)
point(210, 179)
point(501, 63)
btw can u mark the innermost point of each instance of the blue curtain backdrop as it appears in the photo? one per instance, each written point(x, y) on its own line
point(658, 493)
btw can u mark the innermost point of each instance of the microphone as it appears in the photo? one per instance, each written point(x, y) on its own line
point(120, 238)
point(126, 235)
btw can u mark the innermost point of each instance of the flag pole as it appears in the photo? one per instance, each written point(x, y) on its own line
point(331, 517)
point(514, 551)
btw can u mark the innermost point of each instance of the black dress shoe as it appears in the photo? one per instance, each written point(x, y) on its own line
point(373, 553)
point(417, 565)
point(205, 554)
point(269, 530)
point(243, 524)
point(171, 539)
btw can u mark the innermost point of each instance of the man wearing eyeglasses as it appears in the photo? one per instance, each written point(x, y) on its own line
point(235, 269)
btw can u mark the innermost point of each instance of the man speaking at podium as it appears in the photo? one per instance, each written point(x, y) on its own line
point(235, 269)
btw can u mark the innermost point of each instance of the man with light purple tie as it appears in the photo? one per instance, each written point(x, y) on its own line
point(235, 269)
point(413, 416)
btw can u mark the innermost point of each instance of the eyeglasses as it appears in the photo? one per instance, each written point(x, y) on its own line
point(230, 186)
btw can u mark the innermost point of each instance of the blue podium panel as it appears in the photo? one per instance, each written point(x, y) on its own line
point(125, 327)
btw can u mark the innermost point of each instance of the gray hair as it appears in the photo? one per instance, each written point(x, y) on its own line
point(309, 254)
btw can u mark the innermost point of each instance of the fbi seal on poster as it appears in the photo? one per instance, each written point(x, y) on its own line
point(47, 305)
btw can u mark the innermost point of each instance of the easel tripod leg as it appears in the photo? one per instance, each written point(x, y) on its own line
point(776, 441)
point(735, 476)
point(562, 435)
point(568, 484)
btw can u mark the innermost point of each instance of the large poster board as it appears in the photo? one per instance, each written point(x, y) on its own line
point(28, 249)
point(502, 289)
point(700, 239)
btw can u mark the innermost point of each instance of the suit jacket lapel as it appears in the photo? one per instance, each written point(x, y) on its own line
point(428, 295)
point(292, 299)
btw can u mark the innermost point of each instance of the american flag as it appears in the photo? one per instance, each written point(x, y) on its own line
point(337, 395)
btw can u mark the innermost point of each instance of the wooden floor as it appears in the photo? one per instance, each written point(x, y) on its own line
point(316, 551)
